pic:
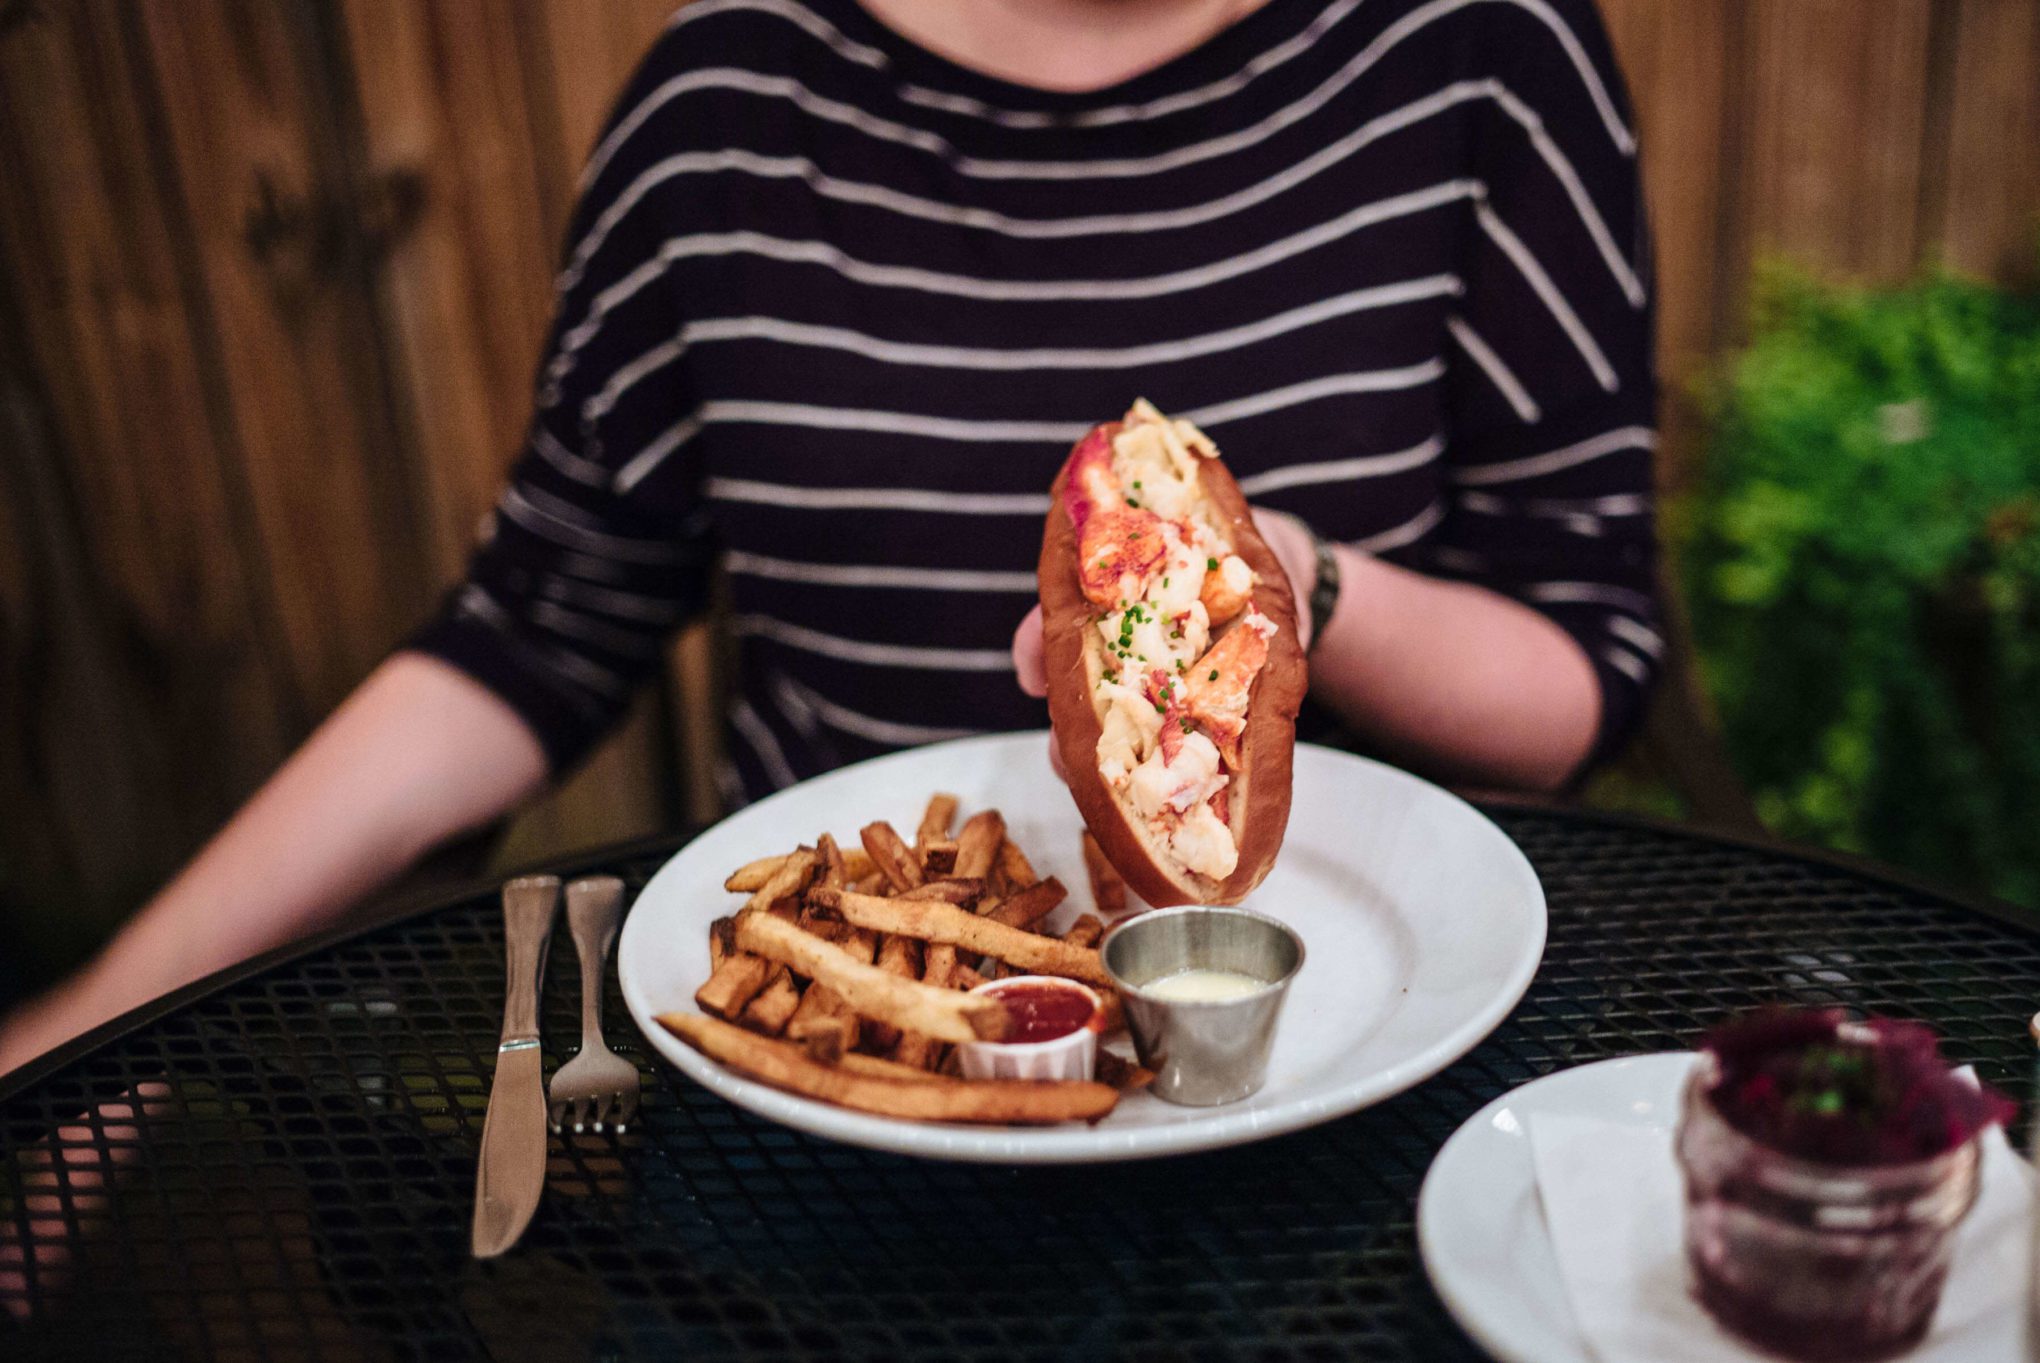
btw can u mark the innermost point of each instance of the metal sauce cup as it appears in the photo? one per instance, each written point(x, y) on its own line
point(1202, 1053)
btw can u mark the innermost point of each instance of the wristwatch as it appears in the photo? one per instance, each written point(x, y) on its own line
point(1324, 592)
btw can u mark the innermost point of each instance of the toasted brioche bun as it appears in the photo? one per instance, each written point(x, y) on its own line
point(1074, 655)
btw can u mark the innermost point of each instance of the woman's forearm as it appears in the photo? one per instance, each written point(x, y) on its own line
point(1455, 679)
point(418, 754)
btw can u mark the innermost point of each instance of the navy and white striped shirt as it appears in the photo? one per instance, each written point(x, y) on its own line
point(834, 308)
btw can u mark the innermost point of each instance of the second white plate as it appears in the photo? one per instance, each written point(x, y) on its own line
point(1423, 921)
point(1481, 1228)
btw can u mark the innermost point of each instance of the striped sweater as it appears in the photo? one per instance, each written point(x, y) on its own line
point(833, 308)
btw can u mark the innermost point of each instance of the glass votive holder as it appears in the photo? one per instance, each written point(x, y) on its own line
point(1810, 1260)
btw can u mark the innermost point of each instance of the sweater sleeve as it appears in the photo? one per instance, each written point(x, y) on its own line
point(580, 577)
point(1550, 392)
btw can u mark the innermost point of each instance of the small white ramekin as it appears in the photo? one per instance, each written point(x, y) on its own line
point(1074, 1056)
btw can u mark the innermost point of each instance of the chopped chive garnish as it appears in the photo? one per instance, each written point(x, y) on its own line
point(1213, 676)
point(1211, 565)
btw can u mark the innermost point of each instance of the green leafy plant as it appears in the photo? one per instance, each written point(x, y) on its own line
point(1863, 562)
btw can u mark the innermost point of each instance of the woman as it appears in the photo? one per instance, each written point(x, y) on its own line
point(847, 280)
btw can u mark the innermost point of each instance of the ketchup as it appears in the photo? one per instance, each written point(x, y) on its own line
point(1043, 1012)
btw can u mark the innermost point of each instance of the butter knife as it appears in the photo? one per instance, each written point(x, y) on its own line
point(511, 1174)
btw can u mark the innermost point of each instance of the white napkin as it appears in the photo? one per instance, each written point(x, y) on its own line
point(1613, 1204)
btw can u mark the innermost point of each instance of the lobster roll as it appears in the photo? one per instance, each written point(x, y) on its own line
point(1174, 664)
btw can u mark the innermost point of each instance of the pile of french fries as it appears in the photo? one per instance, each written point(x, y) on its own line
point(845, 975)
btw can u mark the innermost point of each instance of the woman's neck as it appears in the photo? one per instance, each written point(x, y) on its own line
point(1061, 45)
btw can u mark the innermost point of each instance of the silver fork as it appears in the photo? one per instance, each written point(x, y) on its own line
point(597, 1085)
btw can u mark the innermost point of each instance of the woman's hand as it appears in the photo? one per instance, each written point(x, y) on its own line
point(1031, 667)
point(1296, 550)
point(1028, 662)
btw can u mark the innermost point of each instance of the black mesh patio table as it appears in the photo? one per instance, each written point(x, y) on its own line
point(292, 1152)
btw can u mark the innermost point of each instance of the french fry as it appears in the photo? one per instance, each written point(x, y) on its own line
point(785, 1066)
point(1108, 889)
point(896, 860)
point(825, 1037)
point(914, 1050)
point(734, 984)
point(947, 924)
point(869, 883)
point(978, 845)
point(1123, 1075)
point(773, 1006)
point(1086, 931)
point(899, 956)
point(1019, 870)
point(938, 965)
point(824, 1022)
point(753, 874)
point(949, 890)
point(877, 1067)
point(788, 880)
point(939, 858)
point(917, 1052)
point(1029, 906)
point(935, 821)
point(828, 929)
point(874, 993)
point(721, 934)
point(833, 873)
point(820, 1001)
point(964, 977)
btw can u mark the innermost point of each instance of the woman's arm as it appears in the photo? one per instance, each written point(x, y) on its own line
point(1453, 679)
point(420, 752)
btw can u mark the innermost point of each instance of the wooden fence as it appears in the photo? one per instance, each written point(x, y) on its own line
point(274, 275)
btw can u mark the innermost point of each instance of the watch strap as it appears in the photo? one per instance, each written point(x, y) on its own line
point(1324, 592)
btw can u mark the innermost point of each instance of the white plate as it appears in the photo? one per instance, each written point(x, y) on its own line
point(1484, 1242)
point(1424, 924)
point(1479, 1225)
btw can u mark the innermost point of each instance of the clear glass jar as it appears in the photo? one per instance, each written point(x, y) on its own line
point(1809, 1260)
